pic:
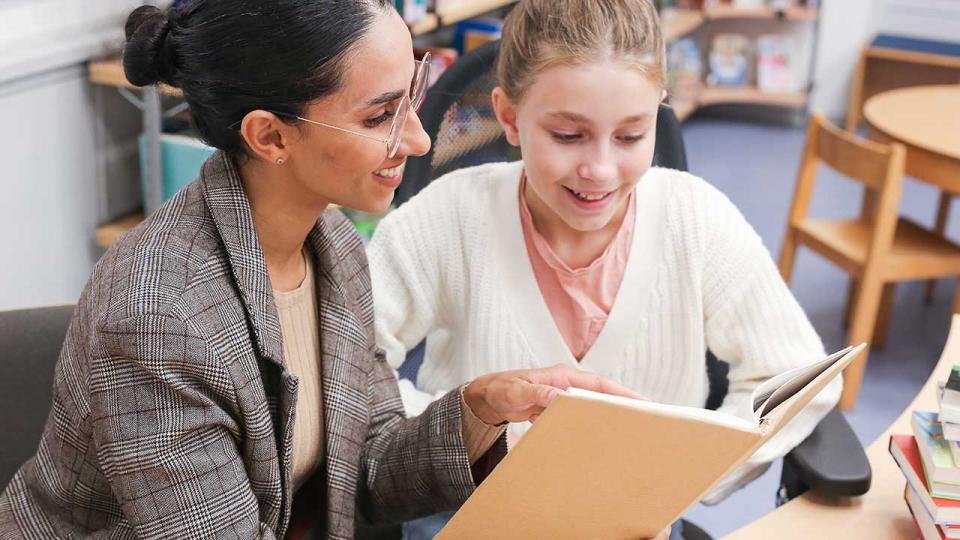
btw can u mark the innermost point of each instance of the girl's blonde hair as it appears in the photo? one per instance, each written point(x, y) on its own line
point(539, 34)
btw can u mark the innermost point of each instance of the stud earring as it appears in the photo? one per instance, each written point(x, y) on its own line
point(280, 161)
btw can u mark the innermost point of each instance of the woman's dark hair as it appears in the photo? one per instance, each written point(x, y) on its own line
point(230, 57)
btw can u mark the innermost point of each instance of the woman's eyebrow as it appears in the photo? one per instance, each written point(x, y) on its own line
point(386, 97)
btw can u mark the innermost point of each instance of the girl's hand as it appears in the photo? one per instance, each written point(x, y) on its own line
point(521, 395)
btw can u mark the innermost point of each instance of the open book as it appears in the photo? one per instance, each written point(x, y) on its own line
point(600, 466)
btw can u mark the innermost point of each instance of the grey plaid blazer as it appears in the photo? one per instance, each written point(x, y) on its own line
point(173, 412)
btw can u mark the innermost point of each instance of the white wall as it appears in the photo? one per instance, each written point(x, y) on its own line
point(846, 26)
point(49, 207)
point(52, 190)
point(929, 19)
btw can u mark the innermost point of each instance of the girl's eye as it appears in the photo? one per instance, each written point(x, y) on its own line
point(565, 138)
point(631, 139)
point(379, 119)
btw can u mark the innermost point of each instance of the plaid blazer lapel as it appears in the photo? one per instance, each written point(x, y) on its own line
point(230, 209)
point(346, 343)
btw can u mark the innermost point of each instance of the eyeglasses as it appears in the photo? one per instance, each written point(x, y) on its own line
point(412, 100)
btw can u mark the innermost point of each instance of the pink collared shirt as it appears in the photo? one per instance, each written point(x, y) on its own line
point(578, 299)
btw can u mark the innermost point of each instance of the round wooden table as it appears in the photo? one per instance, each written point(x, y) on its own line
point(926, 119)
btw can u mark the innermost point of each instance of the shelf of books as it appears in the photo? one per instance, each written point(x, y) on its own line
point(722, 95)
point(790, 13)
point(466, 9)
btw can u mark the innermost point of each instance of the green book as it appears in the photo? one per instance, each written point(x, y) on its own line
point(943, 476)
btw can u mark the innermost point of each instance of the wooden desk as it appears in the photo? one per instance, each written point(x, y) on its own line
point(927, 120)
point(881, 514)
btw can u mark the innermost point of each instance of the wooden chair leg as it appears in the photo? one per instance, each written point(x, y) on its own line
point(861, 331)
point(956, 296)
point(853, 285)
point(883, 317)
point(788, 255)
point(943, 212)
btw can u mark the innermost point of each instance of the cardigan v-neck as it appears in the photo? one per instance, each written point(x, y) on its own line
point(533, 314)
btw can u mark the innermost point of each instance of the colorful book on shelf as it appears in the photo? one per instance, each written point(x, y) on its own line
point(942, 474)
point(685, 70)
point(729, 61)
point(905, 452)
point(775, 64)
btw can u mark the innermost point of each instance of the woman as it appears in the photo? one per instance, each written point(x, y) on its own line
point(221, 360)
point(583, 252)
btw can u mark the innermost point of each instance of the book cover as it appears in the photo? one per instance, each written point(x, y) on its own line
point(591, 462)
point(775, 64)
point(943, 477)
point(729, 61)
point(906, 454)
point(953, 382)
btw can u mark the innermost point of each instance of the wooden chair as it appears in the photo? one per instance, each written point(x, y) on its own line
point(877, 249)
point(890, 62)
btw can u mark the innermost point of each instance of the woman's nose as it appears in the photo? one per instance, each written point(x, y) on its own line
point(414, 140)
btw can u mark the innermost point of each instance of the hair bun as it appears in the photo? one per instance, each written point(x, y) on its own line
point(143, 61)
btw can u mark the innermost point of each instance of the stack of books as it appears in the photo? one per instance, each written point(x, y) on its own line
point(929, 460)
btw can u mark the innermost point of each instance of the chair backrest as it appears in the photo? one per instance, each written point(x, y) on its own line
point(459, 117)
point(30, 342)
point(879, 167)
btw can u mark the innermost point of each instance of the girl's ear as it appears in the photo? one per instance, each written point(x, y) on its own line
point(506, 114)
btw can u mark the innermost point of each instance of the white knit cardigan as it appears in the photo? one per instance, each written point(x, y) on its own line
point(451, 266)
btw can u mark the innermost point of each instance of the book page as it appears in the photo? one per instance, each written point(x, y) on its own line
point(800, 378)
point(677, 411)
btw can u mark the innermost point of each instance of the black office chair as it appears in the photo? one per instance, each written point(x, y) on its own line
point(458, 116)
point(30, 341)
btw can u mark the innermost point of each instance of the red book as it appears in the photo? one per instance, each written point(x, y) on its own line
point(905, 452)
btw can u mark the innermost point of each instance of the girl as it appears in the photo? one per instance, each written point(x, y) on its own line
point(583, 253)
point(220, 368)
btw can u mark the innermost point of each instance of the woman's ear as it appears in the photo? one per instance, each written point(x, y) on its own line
point(267, 136)
point(507, 115)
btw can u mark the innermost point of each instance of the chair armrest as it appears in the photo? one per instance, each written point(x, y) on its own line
point(831, 461)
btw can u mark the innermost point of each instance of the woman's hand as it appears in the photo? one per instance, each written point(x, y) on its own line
point(521, 395)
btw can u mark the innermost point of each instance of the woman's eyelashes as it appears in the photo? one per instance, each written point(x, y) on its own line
point(379, 119)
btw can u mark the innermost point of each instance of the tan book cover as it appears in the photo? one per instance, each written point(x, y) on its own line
point(599, 466)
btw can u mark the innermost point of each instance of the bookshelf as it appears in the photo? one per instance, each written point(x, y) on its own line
point(717, 18)
point(795, 13)
point(721, 95)
point(676, 23)
point(466, 9)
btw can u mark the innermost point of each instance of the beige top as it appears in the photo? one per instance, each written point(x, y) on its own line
point(301, 348)
point(297, 310)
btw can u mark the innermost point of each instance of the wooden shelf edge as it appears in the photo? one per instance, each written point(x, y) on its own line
point(798, 13)
point(471, 9)
point(108, 233)
point(110, 73)
point(718, 95)
point(429, 23)
point(680, 22)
